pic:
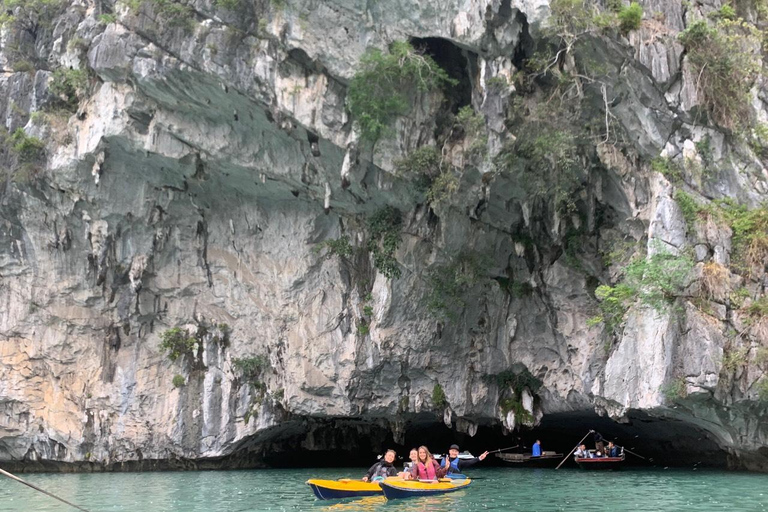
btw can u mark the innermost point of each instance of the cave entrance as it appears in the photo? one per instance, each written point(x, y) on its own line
point(454, 60)
point(356, 442)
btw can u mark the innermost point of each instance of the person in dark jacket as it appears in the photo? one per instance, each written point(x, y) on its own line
point(383, 468)
point(613, 450)
point(455, 464)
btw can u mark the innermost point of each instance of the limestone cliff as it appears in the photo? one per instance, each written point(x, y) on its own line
point(189, 171)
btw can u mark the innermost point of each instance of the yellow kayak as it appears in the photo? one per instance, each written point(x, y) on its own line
point(394, 489)
point(343, 488)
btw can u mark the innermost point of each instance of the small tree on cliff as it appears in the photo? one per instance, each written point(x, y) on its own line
point(383, 87)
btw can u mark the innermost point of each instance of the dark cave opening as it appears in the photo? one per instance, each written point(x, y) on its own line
point(356, 442)
point(454, 61)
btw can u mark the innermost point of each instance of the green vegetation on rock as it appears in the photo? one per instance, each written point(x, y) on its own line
point(383, 87)
point(655, 281)
point(630, 17)
point(28, 149)
point(449, 284)
point(438, 397)
point(69, 86)
point(178, 342)
point(384, 238)
point(725, 60)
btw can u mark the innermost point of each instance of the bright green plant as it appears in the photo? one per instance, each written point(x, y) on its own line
point(106, 19)
point(384, 238)
point(178, 381)
point(382, 88)
point(735, 358)
point(630, 17)
point(178, 342)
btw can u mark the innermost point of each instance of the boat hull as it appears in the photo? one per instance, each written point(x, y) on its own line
point(602, 463)
point(412, 489)
point(339, 489)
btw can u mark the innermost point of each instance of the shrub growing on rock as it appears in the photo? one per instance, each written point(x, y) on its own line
point(383, 86)
point(69, 86)
point(630, 17)
point(384, 238)
point(178, 342)
point(438, 397)
point(725, 60)
point(28, 149)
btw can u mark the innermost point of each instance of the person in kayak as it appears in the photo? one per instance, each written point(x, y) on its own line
point(383, 468)
point(426, 467)
point(453, 464)
point(414, 456)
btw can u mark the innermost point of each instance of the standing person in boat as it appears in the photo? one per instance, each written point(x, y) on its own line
point(383, 468)
point(426, 467)
point(599, 443)
point(454, 464)
point(536, 450)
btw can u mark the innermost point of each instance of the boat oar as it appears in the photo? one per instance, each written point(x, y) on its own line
point(504, 449)
point(574, 449)
point(14, 477)
point(636, 455)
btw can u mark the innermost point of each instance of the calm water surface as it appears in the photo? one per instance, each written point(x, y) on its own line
point(493, 489)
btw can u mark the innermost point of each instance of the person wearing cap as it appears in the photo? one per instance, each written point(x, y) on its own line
point(454, 464)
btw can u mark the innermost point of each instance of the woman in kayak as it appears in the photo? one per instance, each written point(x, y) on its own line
point(426, 467)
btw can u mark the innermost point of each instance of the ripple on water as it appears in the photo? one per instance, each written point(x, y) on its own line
point(494, 489)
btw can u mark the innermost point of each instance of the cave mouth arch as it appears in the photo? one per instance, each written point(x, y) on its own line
point(456, 61)
point(356, 441)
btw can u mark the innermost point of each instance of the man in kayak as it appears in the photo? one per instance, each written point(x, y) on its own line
point(455, 464)
point(383, 468)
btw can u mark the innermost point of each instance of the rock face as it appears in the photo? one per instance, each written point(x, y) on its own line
point(210, 154)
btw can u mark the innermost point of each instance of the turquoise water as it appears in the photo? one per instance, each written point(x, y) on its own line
point(494, 489)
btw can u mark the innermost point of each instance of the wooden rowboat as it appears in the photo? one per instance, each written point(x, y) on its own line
point(600, 463)
point(526, 460)
point(395, 489)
